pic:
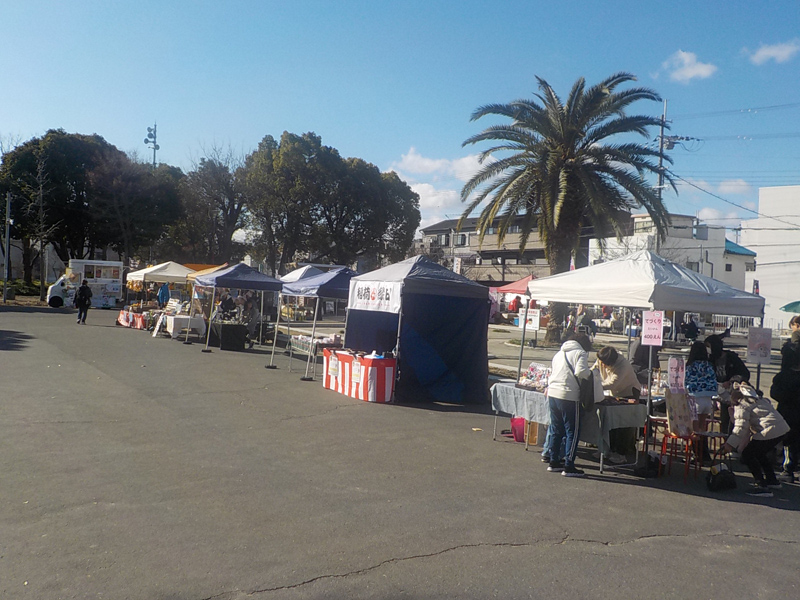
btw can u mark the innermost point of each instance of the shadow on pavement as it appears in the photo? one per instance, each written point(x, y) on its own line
point(13, 340)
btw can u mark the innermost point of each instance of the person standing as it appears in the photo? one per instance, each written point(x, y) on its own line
point(163, 295)
point(619, 378)
point(570, 365)
point(785, 391)
point(83, 300)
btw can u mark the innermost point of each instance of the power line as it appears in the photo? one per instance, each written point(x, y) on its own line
point(728, 201)
point(738, 111)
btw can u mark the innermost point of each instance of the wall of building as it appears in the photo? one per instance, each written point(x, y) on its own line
point(776, 238)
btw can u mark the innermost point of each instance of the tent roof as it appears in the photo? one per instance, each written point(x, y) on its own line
point(420, 275)
point(333, 284)
point(239, 276)
point(648, 281)
point(196, 274)
point(168, 272)
point(301, 273)
point(517, 287)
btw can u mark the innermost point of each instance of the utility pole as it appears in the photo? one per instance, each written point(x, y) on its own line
point(661, 164)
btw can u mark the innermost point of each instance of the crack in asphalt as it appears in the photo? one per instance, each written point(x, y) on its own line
point(566, 539)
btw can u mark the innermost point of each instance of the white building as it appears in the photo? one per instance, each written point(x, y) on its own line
point(776, 236)
point(697, 246)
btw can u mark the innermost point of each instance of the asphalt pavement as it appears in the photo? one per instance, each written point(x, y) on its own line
point(139, 467)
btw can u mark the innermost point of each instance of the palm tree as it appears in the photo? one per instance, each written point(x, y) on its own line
point(555, 167)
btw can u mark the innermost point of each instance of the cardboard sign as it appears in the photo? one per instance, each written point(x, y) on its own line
point(652, 327)
point(759, 345)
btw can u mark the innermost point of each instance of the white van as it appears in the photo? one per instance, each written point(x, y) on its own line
point(104, 278)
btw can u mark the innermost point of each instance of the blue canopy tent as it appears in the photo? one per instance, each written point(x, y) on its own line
point(239, 276)
point(331, 284)
point(434, 319)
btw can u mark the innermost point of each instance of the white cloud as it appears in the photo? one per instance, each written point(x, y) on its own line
point(734, 186)
point(714, 216)
point(684, 66)
point(460, 168)
point(780, 53)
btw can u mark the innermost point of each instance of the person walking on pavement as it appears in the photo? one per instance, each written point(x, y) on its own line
point(83, 300)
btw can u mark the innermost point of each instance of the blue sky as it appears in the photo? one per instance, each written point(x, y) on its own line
point(395, 83)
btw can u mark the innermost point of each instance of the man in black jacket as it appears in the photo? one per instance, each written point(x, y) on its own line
point(83, 300)
point(785, 391)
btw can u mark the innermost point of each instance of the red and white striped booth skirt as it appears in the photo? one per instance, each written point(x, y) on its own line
point(368, 379)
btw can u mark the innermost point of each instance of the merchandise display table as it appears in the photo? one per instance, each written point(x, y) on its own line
point(595, 428)
point(177, 323)
point(306, 346)
point(132, 319)
point(368, 379)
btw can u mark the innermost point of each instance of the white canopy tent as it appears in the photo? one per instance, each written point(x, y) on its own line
point(301, 273)
point(646, 281)
point(168, 272)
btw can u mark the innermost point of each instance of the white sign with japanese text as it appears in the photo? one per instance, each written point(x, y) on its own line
point(375, 295)
point(533, 319)
point(652, 327)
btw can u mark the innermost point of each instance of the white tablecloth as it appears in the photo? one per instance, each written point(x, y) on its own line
point(533, 406)
point(176, 323)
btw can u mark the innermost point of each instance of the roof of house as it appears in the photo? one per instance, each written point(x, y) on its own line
point(445, 226)
point(734, 248)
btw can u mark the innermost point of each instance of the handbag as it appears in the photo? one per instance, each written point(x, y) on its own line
point(585, 388)
point(720, 477)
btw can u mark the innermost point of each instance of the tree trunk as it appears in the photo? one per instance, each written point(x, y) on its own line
point(559, 259)
point(27, 261)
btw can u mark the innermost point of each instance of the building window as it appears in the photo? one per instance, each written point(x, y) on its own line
point(750, 266)
point(444, 239)
point(491, 230)
point(643, 227)
point(693, 266)
point(513, 229)
point(728, 267)
point(461, 239)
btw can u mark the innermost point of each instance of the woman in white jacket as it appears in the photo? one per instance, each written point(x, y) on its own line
point(570, 364)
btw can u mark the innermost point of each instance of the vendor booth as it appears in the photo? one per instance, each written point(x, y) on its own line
point(433, 320)
point(147, 314)
point(230, 335)
point(334, 284)
point(301, 273)
point(168, 272)
point(642, 280)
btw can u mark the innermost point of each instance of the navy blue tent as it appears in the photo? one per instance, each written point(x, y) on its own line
point(240, 277)
point(333, 284)
point(436, 320)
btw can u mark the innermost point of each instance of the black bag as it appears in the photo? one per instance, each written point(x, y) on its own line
point(720, 477)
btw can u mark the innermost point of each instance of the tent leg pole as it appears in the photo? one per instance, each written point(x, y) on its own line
point(191, 314)
point(312, 353)
point(275, 334)
point(261, 321)
point(210, 316)
point(522, 342)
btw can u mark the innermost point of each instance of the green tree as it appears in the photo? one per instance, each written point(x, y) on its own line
point(561, 166)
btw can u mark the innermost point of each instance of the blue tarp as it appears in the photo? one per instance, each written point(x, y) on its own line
point(240, 277)
point(333, 284)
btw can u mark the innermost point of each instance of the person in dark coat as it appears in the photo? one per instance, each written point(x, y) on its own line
point(785, 391)
point(83, 300)
point(729, 369)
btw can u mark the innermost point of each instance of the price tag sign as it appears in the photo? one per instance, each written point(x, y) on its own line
point(652, 327)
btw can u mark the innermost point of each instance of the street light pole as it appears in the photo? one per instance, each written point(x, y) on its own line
point(661, 165)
